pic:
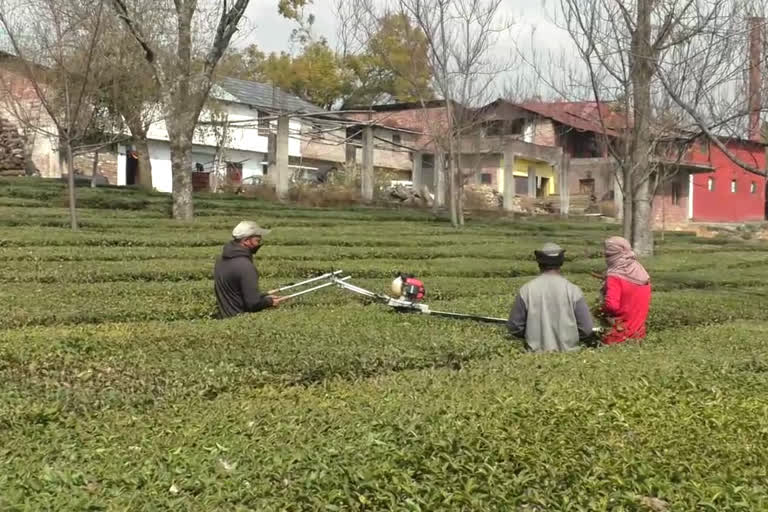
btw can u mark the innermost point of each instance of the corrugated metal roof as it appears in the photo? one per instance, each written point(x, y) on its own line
point(582, 115)
point(261, 95)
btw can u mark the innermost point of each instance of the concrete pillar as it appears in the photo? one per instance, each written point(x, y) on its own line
point(417, 176)
point(509, 180)
point(283, 173)
point(531, 182)
point(618, 195)
point(271, 159)
point(439, 179)
point(561, 171)
point(350, 155)
point(366, 180)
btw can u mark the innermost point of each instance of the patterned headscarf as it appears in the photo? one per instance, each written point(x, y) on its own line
point(622, 262)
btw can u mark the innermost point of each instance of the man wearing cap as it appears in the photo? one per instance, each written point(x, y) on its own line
point(550, 312)
point(236, 280)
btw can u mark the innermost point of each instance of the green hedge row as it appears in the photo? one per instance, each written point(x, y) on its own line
point(681, 421)
point(277, 253)
point(295, 265)
point(138, 301)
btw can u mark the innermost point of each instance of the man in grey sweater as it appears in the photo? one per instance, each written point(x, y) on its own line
point(550, 312)
point(236, 280)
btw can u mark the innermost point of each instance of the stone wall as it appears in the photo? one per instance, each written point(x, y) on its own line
point(106, 165)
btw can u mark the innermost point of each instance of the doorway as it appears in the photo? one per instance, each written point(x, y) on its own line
point(131, 168)
point(543, 189)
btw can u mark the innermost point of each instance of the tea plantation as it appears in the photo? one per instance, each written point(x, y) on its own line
point(118, 391)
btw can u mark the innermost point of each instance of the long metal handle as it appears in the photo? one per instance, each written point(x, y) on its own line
point(308, 290)
point(302, 283)
point(479, 318)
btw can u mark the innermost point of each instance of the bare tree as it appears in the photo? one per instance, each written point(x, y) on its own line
point(460, 37)
point(55, 63)
point(128, 88)
point(183, 80)
point(671, 67)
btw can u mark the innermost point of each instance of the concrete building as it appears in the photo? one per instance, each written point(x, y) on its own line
point(233, 134)
point(487, 143)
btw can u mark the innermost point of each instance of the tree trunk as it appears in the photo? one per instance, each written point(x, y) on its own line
point(641, 68)
point(141, 146)
point(94, 168)
point(459, 183)
point(627, 210)
point(181, 170)
point(642, 220)
point(71, 186)
point(453, 189)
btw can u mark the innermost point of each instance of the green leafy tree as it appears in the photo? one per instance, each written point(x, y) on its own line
point(394, 66)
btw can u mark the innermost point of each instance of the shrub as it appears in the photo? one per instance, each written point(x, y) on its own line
point(119, 391)
point(324, 195)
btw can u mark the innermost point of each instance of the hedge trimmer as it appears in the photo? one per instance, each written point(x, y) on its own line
point(408, 290)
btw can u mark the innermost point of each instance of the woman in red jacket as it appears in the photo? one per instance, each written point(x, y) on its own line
point(626, 293)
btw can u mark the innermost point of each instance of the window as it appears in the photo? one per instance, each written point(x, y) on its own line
point(499, 128)
point(733, 185)
point(263, 129)
point(676, 193)
point(753, 188)
point(486, 178)
point(587, 186)
point(354, 133)
point(710, 184)
point(396, 138)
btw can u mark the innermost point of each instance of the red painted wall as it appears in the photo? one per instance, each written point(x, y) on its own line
point(720, 204)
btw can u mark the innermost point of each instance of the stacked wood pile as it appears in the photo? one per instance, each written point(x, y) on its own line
point(12, 161)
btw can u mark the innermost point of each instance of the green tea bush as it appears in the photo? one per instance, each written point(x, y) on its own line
point(602, 430)
point(119, 391)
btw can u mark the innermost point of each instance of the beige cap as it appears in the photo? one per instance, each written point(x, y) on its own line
point(247, 229)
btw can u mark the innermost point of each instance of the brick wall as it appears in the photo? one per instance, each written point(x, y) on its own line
point(431, 122)
point(601, 170)
point(328, 149)
point(670, 205)
point(544, 132)
point(474, 166)
point(106, 166)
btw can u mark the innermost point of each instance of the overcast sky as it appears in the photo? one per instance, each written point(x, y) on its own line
point(532, 27)
point(271, 32)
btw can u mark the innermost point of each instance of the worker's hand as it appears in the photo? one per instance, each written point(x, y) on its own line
point(276, 300)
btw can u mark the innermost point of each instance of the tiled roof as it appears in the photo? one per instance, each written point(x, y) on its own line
point(262, 95)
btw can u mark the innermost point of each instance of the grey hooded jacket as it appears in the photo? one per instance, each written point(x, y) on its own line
point(236, 282)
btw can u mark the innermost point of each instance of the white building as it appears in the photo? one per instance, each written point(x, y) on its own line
point(243, 143)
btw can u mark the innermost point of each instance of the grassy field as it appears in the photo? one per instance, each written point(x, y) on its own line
point(118, 391)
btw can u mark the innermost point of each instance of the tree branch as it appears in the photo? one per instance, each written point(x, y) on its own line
point(704, 128)
point(136, 32)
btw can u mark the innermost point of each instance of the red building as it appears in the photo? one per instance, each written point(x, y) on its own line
point(731, 193)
